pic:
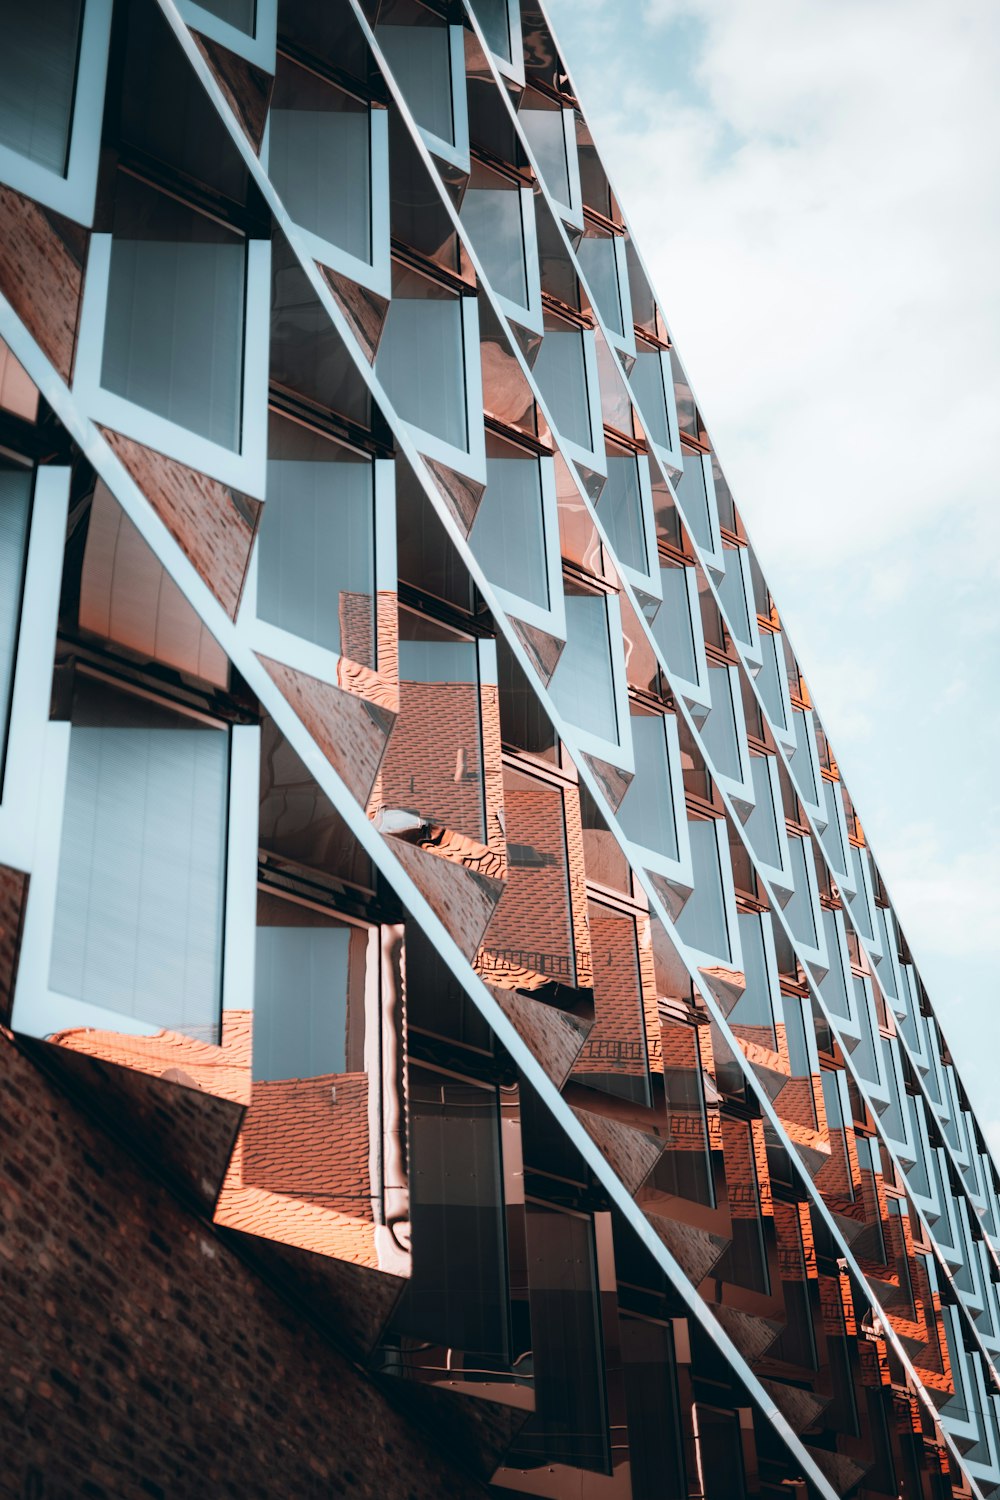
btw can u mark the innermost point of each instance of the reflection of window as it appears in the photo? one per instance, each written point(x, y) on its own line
point(320, 158)
point(655, 1440)
point(761, 826)
point(420, 58)
point(685, 1167)
point(613, 1058)
point(646, 813)
point(309, 989)
point(745, 1262)
point(673, 627)
point(173, 339)
point(598, 259)
point(582, 685)
point(316, 544)
point(692, 492)
point(15, 510)
point(560, 369)
point(508, 534)
point(621, 510)
point(493, 217)
point(421, 358)
point(720, 731)
point(139, 902)
point(37, 79)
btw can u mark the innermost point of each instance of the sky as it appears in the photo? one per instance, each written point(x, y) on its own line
point(814, 186)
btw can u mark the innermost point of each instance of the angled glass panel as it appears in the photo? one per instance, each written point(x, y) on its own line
point(646, 813)
point(582, 685)
point(238, 13)
point(492, 215)
point(546, 135)
point(762, 826)
point(719, 732)
point(673, 628)
point(420, 58)
point(621, 509)
point(320, 158)
point(316, 544)
point(494, 17)
point(692, 492)
point(173, 339)
point(599, 263)
point(684, 1170)
point(647, 382)
point(38, 79)
point(655, 1441)
point(421, 359)
point(15, 512)
point(508, 534)
point(702, 921)
point(140, 895)
point(799, 911)
point(560, 369)
point(614, 1056)
point(307, 968)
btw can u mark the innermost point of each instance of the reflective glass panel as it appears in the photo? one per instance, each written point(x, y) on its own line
point(692, 492)
point(508, 534)
point(173, 338)
point(752, 1017)
point(494, 17)
point(493, 218)
point(799, 909)
point(719, 733)
point(421, 362)
point(532, 926)
point(647, 809)
point(15, 511)
point(620, 508)
point(320, 158)
point(308, 968)
point(761, 826)
point(420, 58)
point(685, 1168)
point(37, 79)
point(702, 920)
point(614, 1058)
point(655, 1442)
point(316, 544)
point(561, 371)
point(140, 895)
point(647, 382)
point(582, 685)
point(672, 628)
point(239, 13)
point(546, 136)
point(733, 595)
point(769, 679)
point(599, 264)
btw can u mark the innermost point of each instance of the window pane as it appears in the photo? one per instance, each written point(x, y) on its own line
point(761, 826)
point(600, 266)
point(647, 382)
point(614, 1058)
point(15, 510)
point(655, 1442)
point(173, 341)
point(702, 919)
point(718, 732)
point(546, 135)
point(685, 1168)
point(494, 17)
point(508, 534)
point(139, 902)
point(493, 218)
point(420, 58)
point(239, 13)
point(647, 809)
point(582, 685)
point(320, 159)
point(733, 595)
point(421, 362)
point(620, 508)
point(745, 1262)
point(37, 79)
point(693, 495)
point(672, 627)
point(316, 545)
point(752, 1017)
point(769, 679)
point(305, 975)
point(799, 909)
point(561, 372)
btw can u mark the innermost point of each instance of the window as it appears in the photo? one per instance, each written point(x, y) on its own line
point(508, 534)
point(561, 370)
point(309, 987)
point(677, 626)
point(745, 1262)
point(724, 732)
point(703, 921)
point(428, 63)
point(52, 71)
point(773, 684)
point(238, 13)
point(173, 340)
point(598, 255)
point(246, 27)
point(428, 361)
point(655, 1440)
point(648, 810)
point(494, 17)
point(614, 1056)
point(762, 824)
point(550, 132)
point(583, 683)
point(498, 214)
point(684, 1170)
point(625, 507)
point(802, 905)
point(316, 544)
point(141, 881)
point(15, 515)
point(696, 493)
point(655, 396)
point(321, 158)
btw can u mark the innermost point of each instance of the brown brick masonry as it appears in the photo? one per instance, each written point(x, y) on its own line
point(143, 1358)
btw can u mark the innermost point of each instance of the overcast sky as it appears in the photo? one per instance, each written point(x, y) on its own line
point(815, 188)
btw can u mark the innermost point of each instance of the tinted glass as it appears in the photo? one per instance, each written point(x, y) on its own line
point(421, 361)
point(173, 339)
point(546, 135)
point(420, 59)
point(508, 534)
point(37, 79)
point(718, 732)
point(702, 920)
point(614, 1057)
point(647, 809)
point(582, 685)
point(761, 826)
point(493, 218)
point(305, 974)
point(239, 13)
point(316, 544)
point(647, 382)
point(15, 509)
point(561, 372)
point(692, 492)
point(672, 627)
point(600, 267)
point(494, 17)
point(621, 510)
point(320, 159)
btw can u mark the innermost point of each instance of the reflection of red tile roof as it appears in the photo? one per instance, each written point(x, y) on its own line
point(222, 1070)
point(433, 764)
point(309, 1137)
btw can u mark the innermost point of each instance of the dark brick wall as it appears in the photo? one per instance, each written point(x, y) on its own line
point(142, 1357)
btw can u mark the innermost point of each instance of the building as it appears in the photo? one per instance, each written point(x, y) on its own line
point(457, 1040)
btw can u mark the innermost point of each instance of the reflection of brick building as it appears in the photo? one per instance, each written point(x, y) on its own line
point(433, 766)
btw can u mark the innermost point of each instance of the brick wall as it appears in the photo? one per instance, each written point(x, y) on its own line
point(143, 1358)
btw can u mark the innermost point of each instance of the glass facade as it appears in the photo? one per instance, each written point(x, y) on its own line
point(418, 846)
